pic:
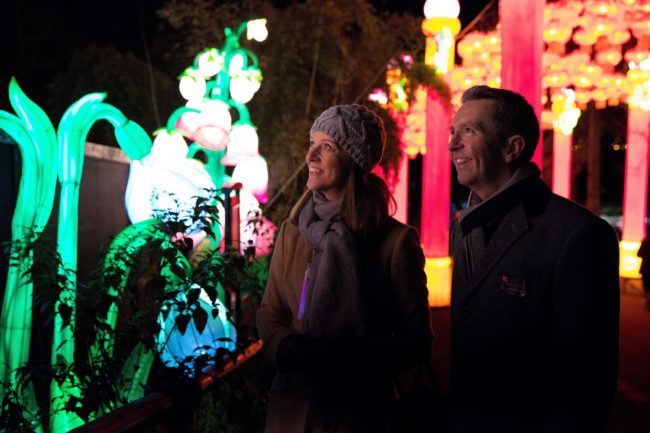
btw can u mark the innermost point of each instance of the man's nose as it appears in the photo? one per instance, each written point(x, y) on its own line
point(454, 143)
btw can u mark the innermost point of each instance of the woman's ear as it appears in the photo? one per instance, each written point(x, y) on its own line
point(514, 148)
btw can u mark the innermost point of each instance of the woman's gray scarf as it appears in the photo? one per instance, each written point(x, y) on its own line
point(330, 303)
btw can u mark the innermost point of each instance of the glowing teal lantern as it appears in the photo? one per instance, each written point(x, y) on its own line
point(178, 348)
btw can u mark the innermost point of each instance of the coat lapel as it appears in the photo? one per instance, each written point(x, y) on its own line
point(513, 225)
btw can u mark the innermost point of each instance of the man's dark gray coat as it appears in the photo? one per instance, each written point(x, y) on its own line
point(535, 318)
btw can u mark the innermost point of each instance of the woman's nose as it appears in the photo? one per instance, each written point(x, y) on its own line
point(312, 153)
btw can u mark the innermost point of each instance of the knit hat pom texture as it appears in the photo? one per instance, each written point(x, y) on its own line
point(355, 129)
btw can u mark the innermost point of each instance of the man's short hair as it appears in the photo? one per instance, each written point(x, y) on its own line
point(513, 116)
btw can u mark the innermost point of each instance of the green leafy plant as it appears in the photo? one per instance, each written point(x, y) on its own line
point(118, 314)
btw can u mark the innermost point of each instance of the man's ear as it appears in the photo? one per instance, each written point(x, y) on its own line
point(513, 149)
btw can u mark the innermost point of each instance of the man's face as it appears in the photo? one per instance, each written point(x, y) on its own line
point(476, 150)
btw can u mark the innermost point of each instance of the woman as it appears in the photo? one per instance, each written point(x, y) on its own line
point(345, 308)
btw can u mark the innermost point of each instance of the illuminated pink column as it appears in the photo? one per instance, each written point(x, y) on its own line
point(440, 27)
point(635, 202)
point(562, 163)
point(436, 184)
point(436, 187)
point(522, 46)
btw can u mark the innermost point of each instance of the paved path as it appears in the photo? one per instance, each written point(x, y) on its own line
point(631, 409)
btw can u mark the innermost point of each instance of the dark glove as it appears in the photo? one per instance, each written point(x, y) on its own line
point(307, 354)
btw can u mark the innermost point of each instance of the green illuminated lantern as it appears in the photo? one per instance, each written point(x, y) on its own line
point(36, 138)
point(72, 134)
point(217, 88)
point(34, 134)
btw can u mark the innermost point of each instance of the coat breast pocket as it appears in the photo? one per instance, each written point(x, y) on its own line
point(521, 284)
point(513, 285)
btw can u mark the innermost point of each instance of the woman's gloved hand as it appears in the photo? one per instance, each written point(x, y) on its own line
point(306, 354)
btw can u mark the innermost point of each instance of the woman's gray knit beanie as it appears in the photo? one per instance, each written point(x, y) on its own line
point(355, 129)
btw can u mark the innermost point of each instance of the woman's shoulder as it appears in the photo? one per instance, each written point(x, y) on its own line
point(295, 211)
point(392, 224)
point(288, 229)
point(393, 230)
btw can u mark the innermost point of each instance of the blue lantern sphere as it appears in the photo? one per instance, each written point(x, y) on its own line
point(178, 349)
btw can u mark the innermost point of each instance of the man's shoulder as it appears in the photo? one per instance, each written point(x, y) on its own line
point(563, 208)
point(574, 217)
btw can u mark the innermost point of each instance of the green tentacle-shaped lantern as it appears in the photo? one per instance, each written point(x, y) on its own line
point(73, 132)
point(34, 134)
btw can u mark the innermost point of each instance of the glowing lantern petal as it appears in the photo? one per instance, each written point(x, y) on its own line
point(244, 85)
point(256, 29)
point(192, 87)
point(190, 121)
point(212, 137)
point(244, 143)
point(170, 146)
point(253, 174)
point(237, 63)
point(210, 62)
point(210, 128)
point(158, 185)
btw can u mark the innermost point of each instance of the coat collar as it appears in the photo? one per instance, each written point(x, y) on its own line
point(511, 207)
point(513, 225)
point(479, 212)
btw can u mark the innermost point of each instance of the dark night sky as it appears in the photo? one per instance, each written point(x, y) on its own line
point(96, 19)
point(117, 22)
point(38, 35)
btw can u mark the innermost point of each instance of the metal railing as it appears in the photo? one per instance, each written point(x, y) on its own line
point(155, 409)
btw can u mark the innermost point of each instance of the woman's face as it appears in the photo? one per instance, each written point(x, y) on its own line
point(329, 166)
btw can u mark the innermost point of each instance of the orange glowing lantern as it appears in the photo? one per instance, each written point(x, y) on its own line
point(583, 96)
point(620, 36)
point(566, 116)
point(555, 79)
point(547, 119)
point(611, 56)
point(584, 37)
point(557, 33)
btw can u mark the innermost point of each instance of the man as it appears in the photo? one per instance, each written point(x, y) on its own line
point(535, 295)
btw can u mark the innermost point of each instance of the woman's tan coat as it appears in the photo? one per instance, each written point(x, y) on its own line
point(395, 295)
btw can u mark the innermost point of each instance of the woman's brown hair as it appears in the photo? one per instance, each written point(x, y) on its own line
point(367, 201)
